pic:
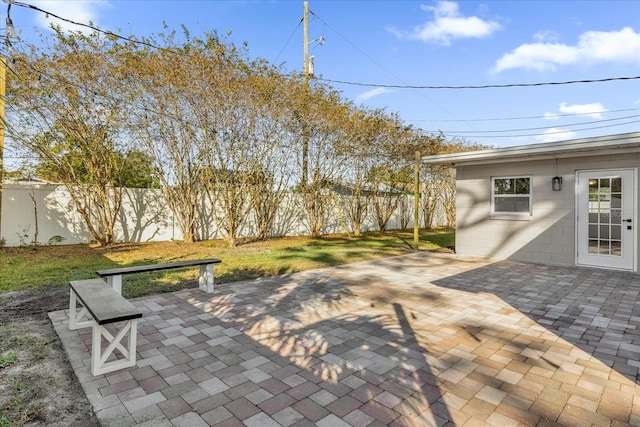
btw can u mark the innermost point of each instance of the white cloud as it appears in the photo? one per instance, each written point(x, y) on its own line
point(593, 110)
point(448, 24)
point(556, 134)
point(79, 11)
point(592, 47)
point(371, 93)
point(545, 36)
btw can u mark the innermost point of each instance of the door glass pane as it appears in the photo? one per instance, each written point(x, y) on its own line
point(616, 216)
point(605, 208)
point(616, 201)
point(616, 248)
point(616, 185)
point(616, 232)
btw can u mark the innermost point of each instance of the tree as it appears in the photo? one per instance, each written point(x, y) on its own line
point(64, 110)
point(274, 160)
point(136, 170)
point(440, 185)
point(233, 104)
point(391, 177)
point(161, 120)
point(323, 113)
point(388, 187)
point(364, 128)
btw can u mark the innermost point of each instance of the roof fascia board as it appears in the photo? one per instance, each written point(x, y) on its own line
point(612, 144)
point(532, 158)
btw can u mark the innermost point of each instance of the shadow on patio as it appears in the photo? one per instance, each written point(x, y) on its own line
point(596, 310)
point(401, 341)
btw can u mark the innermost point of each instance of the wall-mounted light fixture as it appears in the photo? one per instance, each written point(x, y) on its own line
point(556, 183)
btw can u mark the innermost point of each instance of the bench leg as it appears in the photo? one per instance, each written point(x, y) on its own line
point(99, 363)
point(116, 283)
point(206, 278)
point(75, 316)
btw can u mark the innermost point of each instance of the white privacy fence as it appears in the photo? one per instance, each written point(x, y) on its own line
point(47, 209)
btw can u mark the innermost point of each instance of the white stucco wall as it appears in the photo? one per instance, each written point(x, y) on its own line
point(144, 217)
point(549, 235)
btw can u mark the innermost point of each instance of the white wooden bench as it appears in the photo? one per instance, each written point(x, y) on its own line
point(114, 275)
point(102, 305)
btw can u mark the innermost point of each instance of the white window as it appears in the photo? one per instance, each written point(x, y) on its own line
point(511, 195)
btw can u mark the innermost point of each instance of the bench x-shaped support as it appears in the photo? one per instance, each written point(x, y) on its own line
point(100, 306)
point(78, 319)
point(99, 358)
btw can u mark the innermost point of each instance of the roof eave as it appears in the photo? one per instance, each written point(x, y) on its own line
point(612, 144)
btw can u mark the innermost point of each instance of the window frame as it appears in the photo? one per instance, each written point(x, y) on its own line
point(506, 214)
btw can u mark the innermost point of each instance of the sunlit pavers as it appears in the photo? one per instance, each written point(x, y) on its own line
point(422, 339)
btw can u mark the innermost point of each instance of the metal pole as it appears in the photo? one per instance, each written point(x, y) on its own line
point(305, 72)
point(3, 67)
point(416, 203)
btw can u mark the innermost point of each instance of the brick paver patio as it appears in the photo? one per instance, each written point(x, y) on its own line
point(422, 339)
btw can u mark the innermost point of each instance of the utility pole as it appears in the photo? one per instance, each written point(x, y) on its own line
point(416, 202)
point(3, 69)
point(305, 72)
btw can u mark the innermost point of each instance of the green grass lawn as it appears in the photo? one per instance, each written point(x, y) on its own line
point(32, 267)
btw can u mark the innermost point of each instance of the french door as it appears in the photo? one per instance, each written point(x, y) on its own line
point(605, 223)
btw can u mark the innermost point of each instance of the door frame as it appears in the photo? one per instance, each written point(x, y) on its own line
point(634, 209)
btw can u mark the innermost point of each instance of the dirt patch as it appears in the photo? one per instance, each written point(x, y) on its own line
point(445, 250)
point(37, 384)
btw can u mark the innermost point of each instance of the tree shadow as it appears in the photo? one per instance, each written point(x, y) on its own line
point(318, 324)
point(598, 311)
point(141, 219)
point(394, 346)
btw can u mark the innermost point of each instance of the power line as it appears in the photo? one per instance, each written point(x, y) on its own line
point(391, 73)
point(388, 86)
point(525, 117)
point(404, 86)
point(288, 40)
point(568, 82)
point(82, 24)
point(542, 127)
point(353, 45)
point(544, 134)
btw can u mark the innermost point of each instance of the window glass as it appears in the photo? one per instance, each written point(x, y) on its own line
point(511, 195)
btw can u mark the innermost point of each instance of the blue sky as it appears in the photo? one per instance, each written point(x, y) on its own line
point(426, 43)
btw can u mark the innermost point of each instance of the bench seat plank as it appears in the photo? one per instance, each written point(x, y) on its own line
point(105, 305)
point(156, 267)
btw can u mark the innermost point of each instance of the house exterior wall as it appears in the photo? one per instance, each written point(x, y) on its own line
point(549, 235)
